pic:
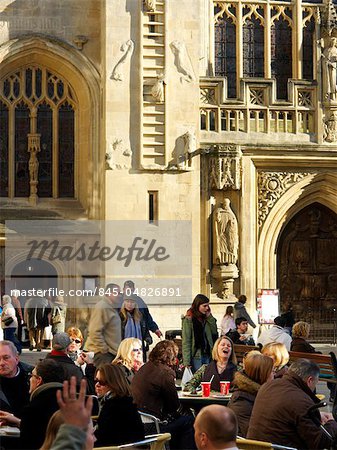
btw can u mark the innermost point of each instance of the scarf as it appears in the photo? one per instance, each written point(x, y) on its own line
point(132, 328)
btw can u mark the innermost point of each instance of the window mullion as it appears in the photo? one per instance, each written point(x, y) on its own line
point(55, 154)
point(267, 41)
point(11, 151)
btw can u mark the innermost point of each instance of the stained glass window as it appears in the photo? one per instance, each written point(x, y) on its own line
point(225, 52)
point(281, 56)
point(40, 102)
point(3, 150)
point(253, 47)
point(308, 50)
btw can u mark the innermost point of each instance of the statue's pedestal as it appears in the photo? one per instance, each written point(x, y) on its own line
point(224, 276)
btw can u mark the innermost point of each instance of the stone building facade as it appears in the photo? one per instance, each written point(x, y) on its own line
point(220, 113)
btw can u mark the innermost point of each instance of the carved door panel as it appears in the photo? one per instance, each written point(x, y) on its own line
point(307, 269)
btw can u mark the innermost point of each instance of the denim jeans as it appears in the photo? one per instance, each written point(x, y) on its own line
point(9, 335)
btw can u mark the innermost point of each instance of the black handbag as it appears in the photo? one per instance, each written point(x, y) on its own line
point(8, 321)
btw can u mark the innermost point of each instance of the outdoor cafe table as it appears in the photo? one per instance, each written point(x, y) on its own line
point(197, 401)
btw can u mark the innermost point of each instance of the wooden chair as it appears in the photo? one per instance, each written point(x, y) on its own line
point(251, 444)
point(327, 364)
point(154, 442)
point(241, 350)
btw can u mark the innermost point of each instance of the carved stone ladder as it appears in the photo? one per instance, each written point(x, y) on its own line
point(153, 55)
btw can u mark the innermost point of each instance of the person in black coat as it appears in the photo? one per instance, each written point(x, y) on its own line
point(61, 342)
point(46, 378)
point(118, 421)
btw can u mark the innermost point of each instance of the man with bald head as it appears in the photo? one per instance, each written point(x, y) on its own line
point(215, 428)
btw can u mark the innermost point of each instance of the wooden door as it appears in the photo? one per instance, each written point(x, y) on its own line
point(307, 269)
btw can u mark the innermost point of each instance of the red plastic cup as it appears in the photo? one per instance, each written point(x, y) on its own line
point(206, 388)
point(224, 387)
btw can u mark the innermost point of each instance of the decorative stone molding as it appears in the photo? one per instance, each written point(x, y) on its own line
point(271, 187)
point(80, 40)
point(33, 148)
point(127, 49)
point(330, 127)
point(119, 157)
point(225, 167)
point(182, 61)
point(150, 5)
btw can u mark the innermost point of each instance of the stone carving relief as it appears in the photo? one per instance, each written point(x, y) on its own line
point(119, 156)
point(80, 40)
point(150, 5)
point(127, 49)
point(189, 147)
point(330, 69)
point(158, 90)
point(33, 165)
point(271, 186)
point(225, 235)
point(225, 167)
point(330, 128)
point(182, 61)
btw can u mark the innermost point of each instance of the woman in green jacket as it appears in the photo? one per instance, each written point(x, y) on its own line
point(199, 332)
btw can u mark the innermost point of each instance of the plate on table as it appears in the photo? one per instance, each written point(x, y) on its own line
point(193, 394)
point(221, 395)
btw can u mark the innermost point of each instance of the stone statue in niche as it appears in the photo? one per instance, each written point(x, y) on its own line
point(182, 61)
point(158, 90)
point(330, 128)
point(330, 69)
point(33, 167)
point(119, 157)
point(127, 49)
point(150, 5)
point(225, 235)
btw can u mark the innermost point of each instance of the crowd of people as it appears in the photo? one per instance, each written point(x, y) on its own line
point(113, 365)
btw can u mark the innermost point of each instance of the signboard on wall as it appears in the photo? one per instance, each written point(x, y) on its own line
point(267, 305)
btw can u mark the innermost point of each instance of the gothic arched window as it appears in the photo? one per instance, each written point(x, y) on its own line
point(225, 51)
point(308, 50)
point(253, 47)
point(281, 55)
point(37, 115)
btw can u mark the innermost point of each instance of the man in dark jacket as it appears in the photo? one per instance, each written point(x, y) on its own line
point(285, 410)
point(14, 379)
point(240, 336)
point(46, 378)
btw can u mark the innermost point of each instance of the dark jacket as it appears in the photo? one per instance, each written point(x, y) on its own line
point(242, 400)
point(70, 368)
point(240, 311)
point(118, 423)
point(234, 335)
point(36, 415)
point(299, 344)
point(154, 391)
point(14, 392)
point(281, 415)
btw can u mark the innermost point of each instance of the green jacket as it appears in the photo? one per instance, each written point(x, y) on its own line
point(188, 344)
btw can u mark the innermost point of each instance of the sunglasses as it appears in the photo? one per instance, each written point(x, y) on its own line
point(137, 350)
point(77, 341)
point(100, 382)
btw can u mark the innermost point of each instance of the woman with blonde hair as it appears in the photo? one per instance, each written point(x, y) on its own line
point(222, 367)
point(54, 424)
point(279, 355)
point(300, 333)
point(129, 357)
point(258, 369)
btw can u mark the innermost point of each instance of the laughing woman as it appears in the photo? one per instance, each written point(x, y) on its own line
point(221, 368)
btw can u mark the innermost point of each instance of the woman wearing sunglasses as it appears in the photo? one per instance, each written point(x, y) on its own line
point(118, 421)
point(129, 357)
